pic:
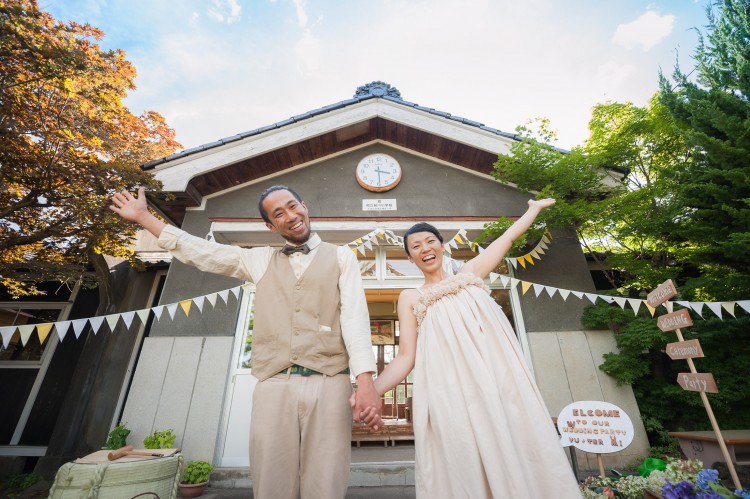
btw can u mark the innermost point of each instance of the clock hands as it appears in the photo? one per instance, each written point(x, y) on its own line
point(379, 171)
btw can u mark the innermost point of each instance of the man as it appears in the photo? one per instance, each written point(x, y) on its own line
point(310, 328)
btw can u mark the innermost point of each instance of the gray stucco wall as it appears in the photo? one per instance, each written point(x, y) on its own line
point(563, 266)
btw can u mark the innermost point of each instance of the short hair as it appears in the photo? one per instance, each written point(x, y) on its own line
point(421, 227)
point(264, 195)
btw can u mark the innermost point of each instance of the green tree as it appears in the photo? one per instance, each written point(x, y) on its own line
point(713, 114)
point(621, 192)
point(67, 143)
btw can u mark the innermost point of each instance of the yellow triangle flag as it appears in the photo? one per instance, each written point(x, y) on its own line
point(651, 309)
point(185, 304)
point(529, 259)
point(525, 287)
point(522, 261)
point(43, 330)
point(359, 240)
point(458, 238)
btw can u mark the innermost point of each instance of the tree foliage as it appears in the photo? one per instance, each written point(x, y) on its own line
point(680, 210)
point(67, 143)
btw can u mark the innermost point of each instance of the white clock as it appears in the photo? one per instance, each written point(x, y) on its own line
point(378, 172)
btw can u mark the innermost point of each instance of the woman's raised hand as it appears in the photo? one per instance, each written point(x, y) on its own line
point(541, 203)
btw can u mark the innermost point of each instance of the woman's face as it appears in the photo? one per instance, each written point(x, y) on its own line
point(425, 251)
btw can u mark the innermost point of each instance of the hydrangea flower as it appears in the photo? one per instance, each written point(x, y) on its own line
point(682, 490)
point(705, 476)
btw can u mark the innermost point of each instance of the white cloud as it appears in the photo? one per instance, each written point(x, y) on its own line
point(193, 21)
point(646, 31)
point(300, 5)
point(225, 11)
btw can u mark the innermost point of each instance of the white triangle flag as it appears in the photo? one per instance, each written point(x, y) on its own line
point(607, 298)
point(514, 282)
point(578, 294)
point(504, 280)
point(143, 315)
point(538, 288)
point(127, 318)
point(685, 304)
point(729, 307)
point(236, 292)
point(172, 309)
point(198, 301)
point(698, 307)
point(62, 329)
point(7, 333)
point(96, 323)
point(158, 311)
point(368, 245)
point(493, 277)
point(550, 290)
point(78, 326)
point(745, 304)
point(635, 304)
point(480, 249)
point(112, 321)
point(539, 250)
point(592, 297)
point(513, 261)
point(620, 301)
point(462, 232)
point(25, 332)
point(543, 245)
point(715, 308)
point(224, 295)
point(211, 299)
point(564, 293)
point(361, 250)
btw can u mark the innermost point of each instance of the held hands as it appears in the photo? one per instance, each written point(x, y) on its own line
point(366, 404)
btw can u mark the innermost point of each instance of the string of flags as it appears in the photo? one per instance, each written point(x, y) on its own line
point(63, 328)
point(366, 242)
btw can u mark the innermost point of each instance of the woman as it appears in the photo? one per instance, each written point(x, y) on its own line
point(481, 427)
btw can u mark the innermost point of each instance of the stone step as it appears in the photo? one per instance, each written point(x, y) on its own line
point(367, 474)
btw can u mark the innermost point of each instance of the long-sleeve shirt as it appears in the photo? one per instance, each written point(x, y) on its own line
point(250, 264)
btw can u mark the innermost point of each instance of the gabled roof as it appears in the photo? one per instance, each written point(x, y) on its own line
point(376, 113)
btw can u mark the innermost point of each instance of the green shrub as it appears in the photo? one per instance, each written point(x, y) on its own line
point(160, 440)
point(118, 436)
point(196, 472)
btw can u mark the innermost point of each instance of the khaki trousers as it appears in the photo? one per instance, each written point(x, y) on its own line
point(300, 437)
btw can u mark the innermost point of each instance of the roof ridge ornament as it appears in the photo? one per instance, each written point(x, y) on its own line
point(378, 89)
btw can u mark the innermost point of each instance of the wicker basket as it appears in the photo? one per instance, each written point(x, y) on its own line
point(148, 479)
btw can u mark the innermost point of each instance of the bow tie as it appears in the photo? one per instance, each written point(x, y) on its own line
point(288, 249)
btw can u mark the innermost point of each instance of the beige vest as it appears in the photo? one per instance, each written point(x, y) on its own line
point(297, 321)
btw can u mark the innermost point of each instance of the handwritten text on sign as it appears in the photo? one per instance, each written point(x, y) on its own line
point(594, 426)
point(664, 292)
point(675, 320)
point(688, 349)
point(697, 382)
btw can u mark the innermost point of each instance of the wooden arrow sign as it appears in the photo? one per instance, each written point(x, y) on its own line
point(664, 292)
point(675, 320)
point(689, 349)
point(697, 382)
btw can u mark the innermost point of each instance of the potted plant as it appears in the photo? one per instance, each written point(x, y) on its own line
point(160, 440)
point(195, 478)
point(117, 438)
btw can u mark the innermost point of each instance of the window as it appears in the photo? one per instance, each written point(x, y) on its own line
point(25, 315)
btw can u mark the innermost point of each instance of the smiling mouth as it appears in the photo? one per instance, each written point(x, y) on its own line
point(296, 226)
point(428, 259)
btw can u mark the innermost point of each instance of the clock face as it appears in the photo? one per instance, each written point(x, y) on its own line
point(378, 172)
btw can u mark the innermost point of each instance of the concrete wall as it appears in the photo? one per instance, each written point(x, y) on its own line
point(179, 385)
point(566, 366)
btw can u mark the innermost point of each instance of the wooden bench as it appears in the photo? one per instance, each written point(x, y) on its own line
point(704, 445)
point(392, 431)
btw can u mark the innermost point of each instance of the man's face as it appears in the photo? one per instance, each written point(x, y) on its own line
point(288, 216)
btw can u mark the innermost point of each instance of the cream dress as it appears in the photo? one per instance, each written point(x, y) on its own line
point(481, 427)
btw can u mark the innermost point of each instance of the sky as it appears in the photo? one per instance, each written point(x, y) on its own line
point(215, 68)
